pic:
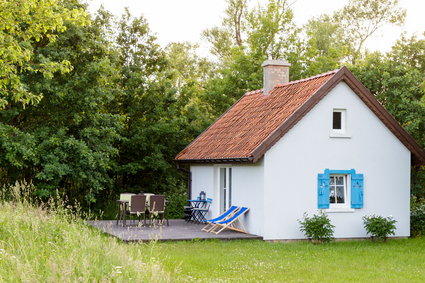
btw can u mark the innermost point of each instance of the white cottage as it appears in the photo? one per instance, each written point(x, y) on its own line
point(323, 142)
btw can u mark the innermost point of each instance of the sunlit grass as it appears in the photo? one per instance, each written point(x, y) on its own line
point(39, 247)
point(256, 261)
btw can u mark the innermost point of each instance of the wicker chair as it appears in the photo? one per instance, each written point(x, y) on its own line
point(157, 206)
point(138, 207)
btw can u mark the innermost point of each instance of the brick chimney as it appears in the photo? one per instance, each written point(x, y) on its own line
point(274, 72)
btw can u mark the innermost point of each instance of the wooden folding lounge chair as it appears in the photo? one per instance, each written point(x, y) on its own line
point(231, 223)
point(227, 214)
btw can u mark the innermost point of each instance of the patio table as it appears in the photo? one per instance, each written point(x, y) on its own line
point(196, 203)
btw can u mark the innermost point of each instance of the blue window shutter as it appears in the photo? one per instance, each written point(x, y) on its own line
point(323, 190)
point(357, 191)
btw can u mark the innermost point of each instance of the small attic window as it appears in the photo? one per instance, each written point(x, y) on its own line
point(338, 120)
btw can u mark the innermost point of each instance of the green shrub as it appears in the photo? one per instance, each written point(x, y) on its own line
point(318, 227)
point(379, 227)
point(417, 217)
point(176, 201)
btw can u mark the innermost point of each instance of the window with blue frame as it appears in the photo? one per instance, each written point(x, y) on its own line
point(340, 189)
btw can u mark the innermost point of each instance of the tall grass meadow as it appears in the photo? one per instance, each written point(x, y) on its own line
point(49, 242)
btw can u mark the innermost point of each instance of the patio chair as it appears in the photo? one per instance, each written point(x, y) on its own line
point(138, 207)
point(157, 206)
point(227, 214)
point(148, 198)
point(231, 223)
point(199, 213)
point(188, 212)
point(124, 208)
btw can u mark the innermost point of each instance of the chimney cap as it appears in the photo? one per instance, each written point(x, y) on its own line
point(279, 62)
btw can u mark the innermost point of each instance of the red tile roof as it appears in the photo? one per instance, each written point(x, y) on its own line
point(257, 121)
point(240, 130)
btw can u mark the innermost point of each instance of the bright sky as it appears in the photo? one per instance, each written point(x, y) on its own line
point(184, 20)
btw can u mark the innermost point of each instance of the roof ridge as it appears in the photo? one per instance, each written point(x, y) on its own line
point(295, 82)
point(254, 91)
point(309, 78)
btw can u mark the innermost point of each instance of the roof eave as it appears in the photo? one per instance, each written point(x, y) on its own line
point(217, 160)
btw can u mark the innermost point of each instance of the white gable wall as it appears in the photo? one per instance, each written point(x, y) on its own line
point(292, 164)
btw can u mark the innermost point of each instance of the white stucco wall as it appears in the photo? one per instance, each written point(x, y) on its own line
point(247, 190)
point(292, 164)
point(203, 180)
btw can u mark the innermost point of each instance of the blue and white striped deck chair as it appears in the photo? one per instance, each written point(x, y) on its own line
point(231, 223)
point(227, 214)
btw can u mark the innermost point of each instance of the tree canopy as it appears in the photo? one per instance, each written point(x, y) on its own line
point(92, 106)
point(24, 26)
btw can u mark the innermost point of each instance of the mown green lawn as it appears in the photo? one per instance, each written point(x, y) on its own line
point(400, 260)
point(36, 246)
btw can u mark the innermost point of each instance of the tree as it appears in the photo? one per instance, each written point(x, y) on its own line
point(114, 122)
point(410, 52)
point(245, 40)
point(338, 39)
point(271, 30)
point(66, 141)
point(362, 18)
point(148, 98)
point(234, 18)
point(325, 47)
point(397, 81)
point(231, 32)
point(189, 75)
point(24, 25)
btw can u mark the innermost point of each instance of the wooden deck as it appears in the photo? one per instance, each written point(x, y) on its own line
point(179, 230)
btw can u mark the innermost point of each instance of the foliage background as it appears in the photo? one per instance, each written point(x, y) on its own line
point(92, 106)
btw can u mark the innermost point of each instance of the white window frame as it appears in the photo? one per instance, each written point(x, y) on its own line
point(347, 190)
point(343, 121)
point(229, 182)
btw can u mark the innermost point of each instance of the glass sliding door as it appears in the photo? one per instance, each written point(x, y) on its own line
point(225, 188)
